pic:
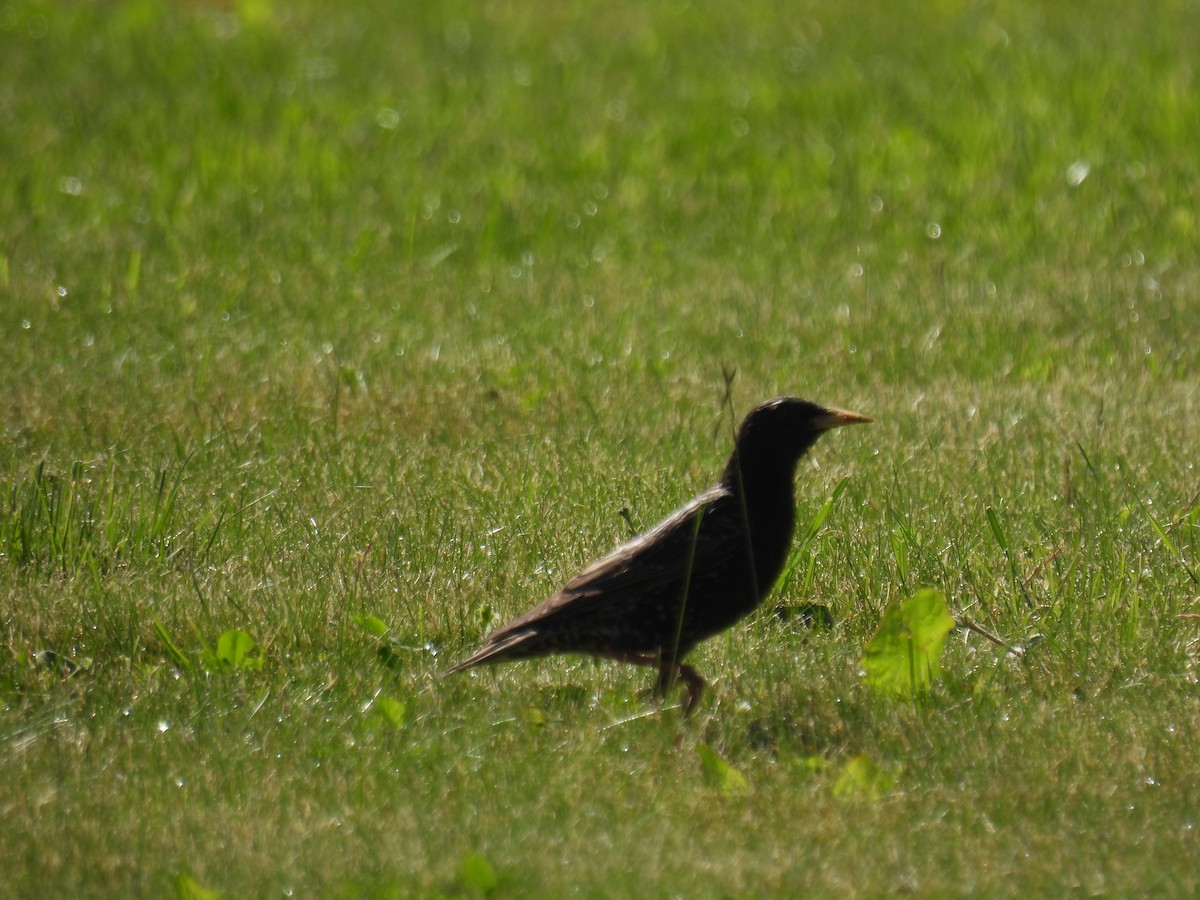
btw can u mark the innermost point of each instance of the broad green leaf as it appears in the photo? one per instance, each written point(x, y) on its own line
point(720, 774)
point(862, 777)
point(233, 647)
point(534, 717)
point(903, 658)
point(391, 710)
point(476, 875)
point(188, 888)
point(373, 624)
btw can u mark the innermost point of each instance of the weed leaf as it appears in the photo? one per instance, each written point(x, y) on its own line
point(863, 777)
point(477, 876)
point(373, 624)
point(720, 774)
point(391, 711)
point(188, 888)
point(232, 654)
point(903, 658)
point(233, 648)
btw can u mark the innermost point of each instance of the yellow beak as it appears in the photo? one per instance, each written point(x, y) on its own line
point(836, 418)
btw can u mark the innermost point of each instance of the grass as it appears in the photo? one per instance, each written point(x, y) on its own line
point(319, 319)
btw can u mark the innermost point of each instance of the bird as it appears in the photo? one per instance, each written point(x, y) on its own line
point(710, 563)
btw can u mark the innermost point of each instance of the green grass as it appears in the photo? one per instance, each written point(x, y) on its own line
point(312, 315)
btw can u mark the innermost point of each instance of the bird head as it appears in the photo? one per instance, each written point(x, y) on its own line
point(777, 433)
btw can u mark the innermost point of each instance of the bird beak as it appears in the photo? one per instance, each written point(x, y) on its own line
point(836, 418)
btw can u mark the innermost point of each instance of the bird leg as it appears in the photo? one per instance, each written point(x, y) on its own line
point(669, 671)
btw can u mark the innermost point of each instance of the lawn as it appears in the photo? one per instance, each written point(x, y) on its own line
point(340, 334)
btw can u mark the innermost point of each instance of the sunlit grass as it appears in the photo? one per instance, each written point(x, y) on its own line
point(321, 323)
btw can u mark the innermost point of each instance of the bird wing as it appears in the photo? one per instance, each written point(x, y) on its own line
point(655, 560)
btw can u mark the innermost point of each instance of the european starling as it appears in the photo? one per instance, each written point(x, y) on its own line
point(704, 567)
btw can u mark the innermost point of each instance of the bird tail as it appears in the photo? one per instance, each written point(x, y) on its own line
point(498, 647)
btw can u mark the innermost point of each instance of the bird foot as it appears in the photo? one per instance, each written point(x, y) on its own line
point(669, 673)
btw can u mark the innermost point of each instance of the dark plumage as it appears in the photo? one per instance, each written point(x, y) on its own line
point(704, 567)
